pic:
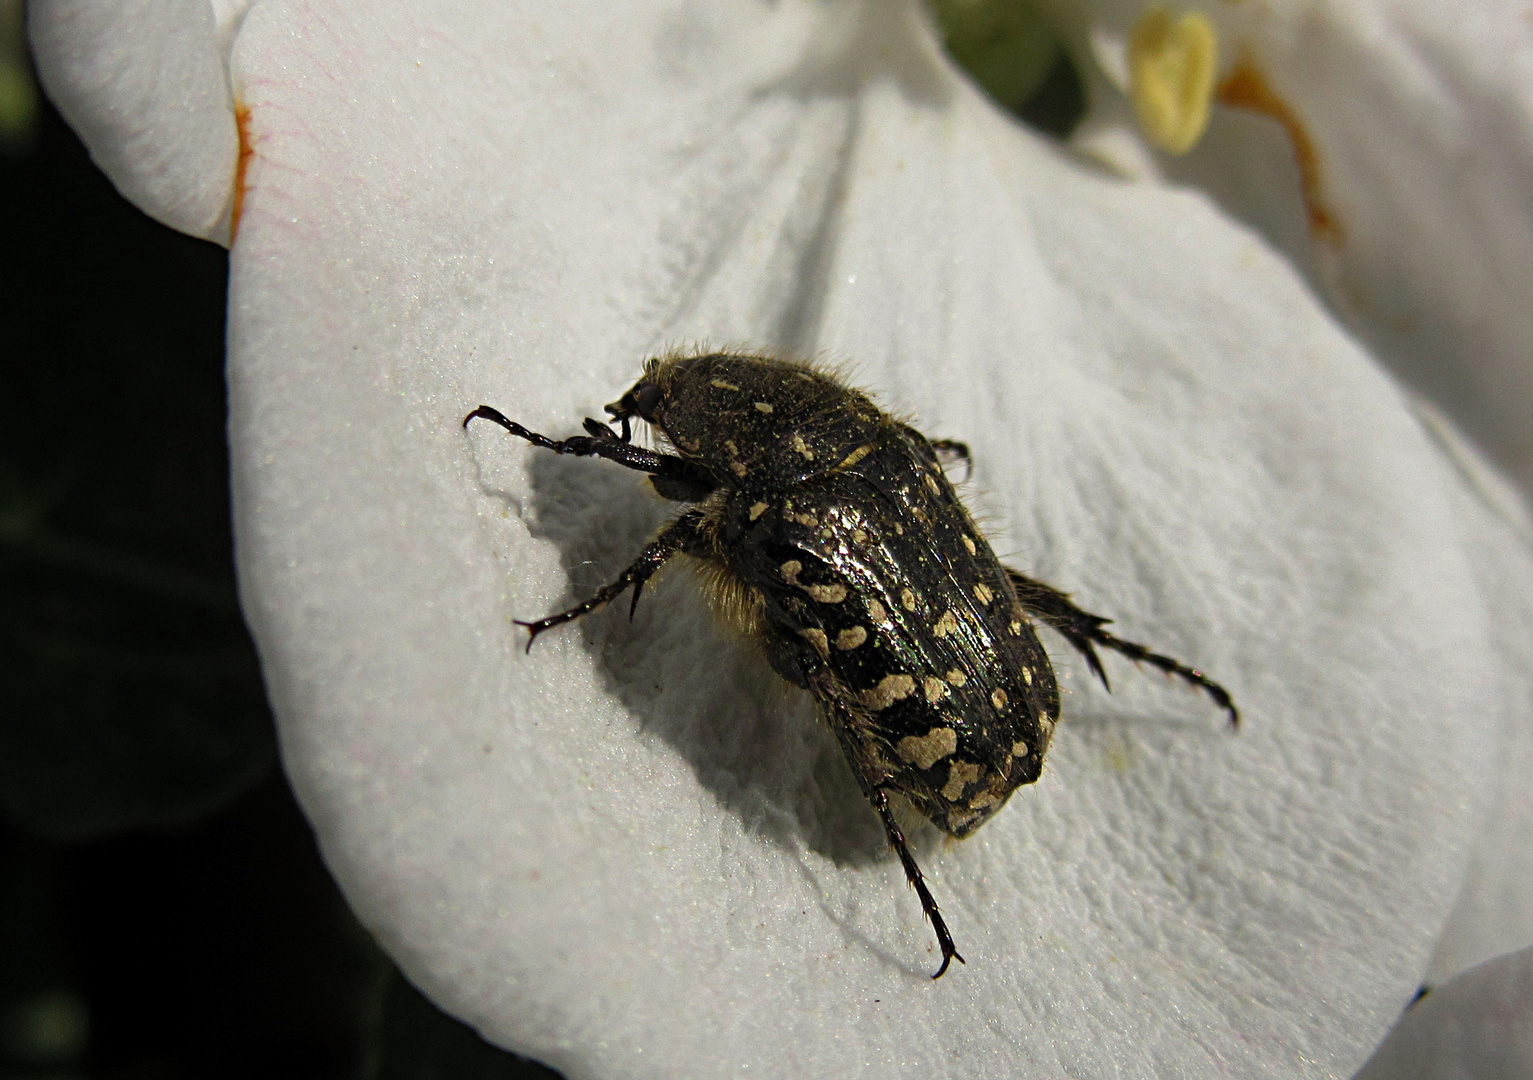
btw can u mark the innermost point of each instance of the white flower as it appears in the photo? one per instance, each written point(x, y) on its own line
point(633, 852)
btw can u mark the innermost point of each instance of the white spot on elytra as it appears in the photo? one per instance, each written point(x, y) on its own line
point(757, 510)
point(876, 612)
point(956, 677)
point(827, 594)
point(800, 446)
point(924, 751)
point(891, 688)
point(908, 599)
point(790, 571)
point(983, 593)
point(851, 637)
point(763, 406)
point(959, 776)
point(946, 625)
point(1019, 749)
point(722, 385)
point(998, 699)
point(739, 468)
point(935, 689)
point(968, 542)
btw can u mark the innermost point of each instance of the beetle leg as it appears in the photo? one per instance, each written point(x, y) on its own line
point(1081, 629)
point(880, 800)
point(598, 430)
point(685, 533)
point(951, 450)
point(871, 777)
point(603, 442)
point(1077, 627)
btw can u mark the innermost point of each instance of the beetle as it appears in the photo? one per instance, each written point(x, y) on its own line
point(833, 535)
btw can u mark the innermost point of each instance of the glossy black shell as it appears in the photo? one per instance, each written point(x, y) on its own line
point(874, 588)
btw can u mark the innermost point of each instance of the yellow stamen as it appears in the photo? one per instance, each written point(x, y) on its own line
point(1171, 62)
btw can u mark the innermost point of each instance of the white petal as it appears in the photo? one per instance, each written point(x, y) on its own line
point(632, 852)
point(1422, 118)
point(144, 84)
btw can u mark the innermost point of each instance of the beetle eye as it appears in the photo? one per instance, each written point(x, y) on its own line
point(646, 397)
point(640, 401)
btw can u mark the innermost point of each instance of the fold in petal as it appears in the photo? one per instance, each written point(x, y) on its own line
point(144, 84)
point(1477, 1027)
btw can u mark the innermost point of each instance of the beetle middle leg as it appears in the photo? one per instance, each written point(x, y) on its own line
point(690, 532)
point(1081, 629)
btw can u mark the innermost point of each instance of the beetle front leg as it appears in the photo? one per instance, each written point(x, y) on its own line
point(674, 477)
point(687, 533)
point(1081, 629)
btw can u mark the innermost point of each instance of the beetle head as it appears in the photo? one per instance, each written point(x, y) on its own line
point(640, 401)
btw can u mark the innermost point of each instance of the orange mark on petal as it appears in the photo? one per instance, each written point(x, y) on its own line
point(1247, 88)
point(247, 151)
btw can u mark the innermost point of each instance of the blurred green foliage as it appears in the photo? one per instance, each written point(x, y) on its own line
point(18, 89)
point(1014, 53)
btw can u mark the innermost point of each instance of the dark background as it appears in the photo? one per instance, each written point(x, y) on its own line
point(163, 909)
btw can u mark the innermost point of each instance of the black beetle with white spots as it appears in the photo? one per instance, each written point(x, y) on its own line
point(834, 538)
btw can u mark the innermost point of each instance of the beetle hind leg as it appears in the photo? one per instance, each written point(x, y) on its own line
point(872, 778)
point(880, 801)
point(1083, 630)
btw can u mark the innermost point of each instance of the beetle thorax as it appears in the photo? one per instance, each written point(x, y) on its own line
point(762, 424)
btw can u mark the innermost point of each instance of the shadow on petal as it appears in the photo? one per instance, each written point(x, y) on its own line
point(753, 741)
